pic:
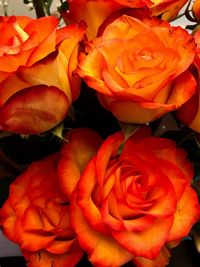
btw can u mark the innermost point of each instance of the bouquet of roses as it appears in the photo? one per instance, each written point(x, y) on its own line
point(100, 123)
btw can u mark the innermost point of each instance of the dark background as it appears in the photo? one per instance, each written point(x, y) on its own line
point(185, 255)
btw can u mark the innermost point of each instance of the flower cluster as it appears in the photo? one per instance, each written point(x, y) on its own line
point(112, 203)
point(120, 197)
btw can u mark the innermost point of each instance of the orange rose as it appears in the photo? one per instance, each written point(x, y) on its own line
point(126, 208)
point(37, 61)
point(36, 217)
point(140, 69)
point(189, 113)
point(95, 12)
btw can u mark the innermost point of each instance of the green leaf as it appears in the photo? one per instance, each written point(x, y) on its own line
point(128, 129)
point(58, 132)
point(39, 8)
point(197, 139)
point(5, 134)
point(195, 233)
point(71, 113)
point(64, 6)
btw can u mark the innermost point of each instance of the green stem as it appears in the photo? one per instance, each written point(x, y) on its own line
point(38, 5)
point(185, 138)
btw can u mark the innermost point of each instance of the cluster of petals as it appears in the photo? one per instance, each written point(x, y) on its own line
point(121, 199)
point(37, 61)
point(121, 203)
point(36, 217)
point(154, 68)
point(147, 74)
point(104, 198)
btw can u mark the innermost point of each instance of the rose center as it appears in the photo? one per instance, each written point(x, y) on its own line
point(144, 55)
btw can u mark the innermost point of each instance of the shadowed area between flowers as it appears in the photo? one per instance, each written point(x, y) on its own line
point(184, 255)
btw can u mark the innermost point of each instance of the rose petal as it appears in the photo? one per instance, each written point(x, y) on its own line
point(98, 246)
point(11, 85)
point(45, 38)
point(8, 219)
point(34, 110)
point(60, 246)
point(43, 259)
point(185, 216)
point(133, 112)
point(146, 243)
point(39, 73)
point(184, 88)
point(108, 149)
point(85, 186)
point(161, 261)
point(82, 146)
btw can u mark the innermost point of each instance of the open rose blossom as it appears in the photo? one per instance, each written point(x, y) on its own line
point(96, 12)
point(189, 113)
point(36, 217)
point(126, 208)
point(140, 68)
point(37, 61)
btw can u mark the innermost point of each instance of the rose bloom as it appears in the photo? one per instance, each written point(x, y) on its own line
point(37, 61)
point(189, 113)
point(126, 208)
point(36, 217)
point(95, 12)
point(140, 69)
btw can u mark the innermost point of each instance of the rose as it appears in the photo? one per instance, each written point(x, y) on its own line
point(36, 73)
point(189, 113)
point(96, 12)
point(124, 205)
point(36, 217)
point(146, 74)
